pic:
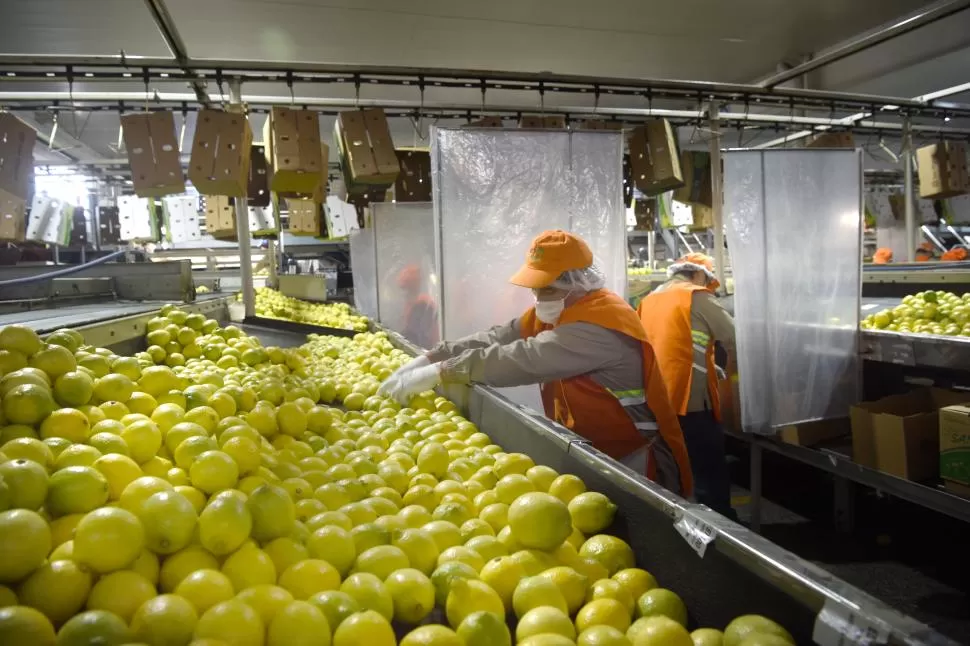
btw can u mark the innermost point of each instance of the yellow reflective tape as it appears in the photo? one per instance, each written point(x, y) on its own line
point(700, 337)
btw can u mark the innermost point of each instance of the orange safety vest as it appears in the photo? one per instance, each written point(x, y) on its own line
point(421, 321)
point(587, 408)
point(665, 315)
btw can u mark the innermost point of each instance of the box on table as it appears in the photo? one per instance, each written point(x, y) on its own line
point(292, 142)
point(943, 169)
point(697, 189)
point(538, 121)
point(17, 141)
point(365, 147)
point(220, 217)
point(955, 445)
point(654, 158)
point(812, 433)
point(221, 149)
point(900, 434)
point(153, 153)
point(832, 140)
point(414, 182)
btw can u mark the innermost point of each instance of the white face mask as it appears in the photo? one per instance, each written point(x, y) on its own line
point(549, 311)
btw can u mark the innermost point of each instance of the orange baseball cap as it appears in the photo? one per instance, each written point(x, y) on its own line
point(552, 253)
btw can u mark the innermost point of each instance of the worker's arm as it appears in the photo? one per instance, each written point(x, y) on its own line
point(562, 352)
point(706, 307)
point(498, 335)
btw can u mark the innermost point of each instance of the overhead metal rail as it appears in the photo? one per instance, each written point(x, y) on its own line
point(15, 67)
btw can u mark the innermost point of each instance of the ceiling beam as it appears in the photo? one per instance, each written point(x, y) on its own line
point(166, 26)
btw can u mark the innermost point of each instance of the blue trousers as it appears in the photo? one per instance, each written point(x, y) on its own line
point(704, 438)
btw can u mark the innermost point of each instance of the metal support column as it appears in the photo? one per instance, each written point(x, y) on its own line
point(242, 221)
point(651, 250)
point(718, 209)
point(272, 263)
point(910, 212)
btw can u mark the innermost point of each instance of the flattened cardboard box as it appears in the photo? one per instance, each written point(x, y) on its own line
point(414, 182)
point(220, 217)
point(833, 140)
point(17, 141)
point(221, 150)
point(654, 158)
point(955, 444)
point(292, 141)
point(153, 153)
point(943, 169)
point(365, 147)
point(109, 223)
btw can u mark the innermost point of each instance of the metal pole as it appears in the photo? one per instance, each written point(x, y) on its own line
point(910, 213)
point(271, 261)
point(718, 198)
point(242, 221)
point(651, 250)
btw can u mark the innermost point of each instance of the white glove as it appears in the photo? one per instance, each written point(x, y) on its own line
point(403, 385)
point(418, 362)
point(393, 383)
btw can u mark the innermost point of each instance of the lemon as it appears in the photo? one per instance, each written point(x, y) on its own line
point(367, 627)
point(266, 599)
point(707, 637)
point(432, 635)
point(381, 560)
point(746, 626)
point(591, 512)
point(539, 521)
point(602, 635)
point(29, 448)
point(512, 486)
point(611, 552)
point(661, 601)
point(249, 566)
point(308, 577)
point(113, 388)
point(484, 629)
point(503, 574)
point(143, 438)
point(412, 593)
point(291, 420)
point(205, 588)
point(299, 623)
point(169, 521)
point(121, 593)
point(14, 431)
point(12, 360)
point(113, 410)
point(54, 360)
point(7, 597)
point(69, 423)
point(369, 593)
point(191, 448)
point(496, 515)
point(225, 523)
point(213, 471)
point(140, 489)
point(20, 338)
point(165, 619)
point(335, 605)
point(62, 529)
point(535, 591)
point(544, 620)
point(233, 622)
point(27, 404)
point(335, 545)
point(534, 562)
point(147, 565)
point(245, 452)
point(108, 539)
point(566, 487)
point(542, 477)
point(76, 490)
point(272, 511)
point(571, 584)
point(636, 581)
point(470, 595)
point(24, 625)
point(93, 627)
point(57, 588)
point(463, 554)
point(73, 388)
point(183, 563)
point(603, 611)
point(77, 455)
point(204, 416)
point(286, 551)
point(26, 482)
point(25, 541)
point(443, 533)
point(657, 631)
point(107, 443)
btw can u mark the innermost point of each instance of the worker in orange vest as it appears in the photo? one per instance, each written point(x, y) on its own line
point(956, 254)
point(683, 320)
point(883, 256)
point(419, 320)
point(585, 347)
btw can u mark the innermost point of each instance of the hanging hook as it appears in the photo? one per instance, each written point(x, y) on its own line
point(289, 84)
point(484, 88)
point(146, 77)
point(357, 91)
point(542, 98)
point(50, 143)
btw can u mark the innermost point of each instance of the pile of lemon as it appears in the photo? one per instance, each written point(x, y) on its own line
point(205, 492)
point(272, 304)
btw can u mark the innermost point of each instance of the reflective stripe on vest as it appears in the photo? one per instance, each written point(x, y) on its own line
point(634, 397)
point(700, 338)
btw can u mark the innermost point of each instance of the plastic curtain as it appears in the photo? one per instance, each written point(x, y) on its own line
point(407, 273)
point(794, 221)
point(495, 190)
point(363, 266)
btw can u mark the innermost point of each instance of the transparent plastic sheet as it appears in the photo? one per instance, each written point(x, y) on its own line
point(407, 273)
point(495, 190)
point(363, 266)
point(793, 224)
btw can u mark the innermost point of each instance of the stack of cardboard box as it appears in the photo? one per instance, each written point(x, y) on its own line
point(16, 175)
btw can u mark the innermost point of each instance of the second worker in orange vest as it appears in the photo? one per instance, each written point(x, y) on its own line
point(585, 347)
point(683, 320)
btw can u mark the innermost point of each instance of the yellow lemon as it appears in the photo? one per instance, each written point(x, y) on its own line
point(57, 588)
point(165, 619)
point(121, 593)
point(249, 566)
point(299, 623)
point(266, 599)
point(119, 471)
point(232, 622)
point(205, 588)
point(367, 627)
point(412, 593)
point(544, 620)
point(25, 541)
point(183, 563)
point(24, 625)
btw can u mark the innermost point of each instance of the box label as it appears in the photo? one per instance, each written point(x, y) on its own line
point(837, 625)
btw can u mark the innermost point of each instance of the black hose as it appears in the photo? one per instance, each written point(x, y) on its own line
point(24, 280)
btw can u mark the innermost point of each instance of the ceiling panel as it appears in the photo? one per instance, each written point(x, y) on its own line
point(78, 28)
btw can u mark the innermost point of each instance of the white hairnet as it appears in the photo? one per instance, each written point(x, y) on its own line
point(587, 279)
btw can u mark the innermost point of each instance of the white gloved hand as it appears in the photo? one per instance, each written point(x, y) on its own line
point(418, 362)
point(403, 385)
point(393, 383)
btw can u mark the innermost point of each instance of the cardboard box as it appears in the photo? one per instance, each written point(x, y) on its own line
point(220, 217)
point(17, 141)
point(832, 140)
point(645, 212)
point(600, 124)
point(414, 182)
point(943, 169)
point(304, 217)
point(221, 150)
point(900, 435)
point(153, 153)
point(13, 218)
point(542, 122)
point(955, 444)
point(486, 122)
point(365, 148)
point(109, 223)
point(812, 433)
point(257, 186)
point(697, 188)
point(703, 217)
point(654, 158)
point(957, 488)
point(293, 149)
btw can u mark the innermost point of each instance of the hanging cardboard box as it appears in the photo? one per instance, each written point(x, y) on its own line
point(414, 182)
point(833, 140)
point(696, 168)
point(943, 169)
point(600, 124)
point(654, 158)
point(304, 217)
point(365, 148)
point(292, 141)
point(257, 188)
point(109, 224)
point(13, 218)
point(703, 217)
point(153, 153)
point(221, 150)
point(220, 217)
point(486, 122)
point(542, 122)
point(16, 160)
